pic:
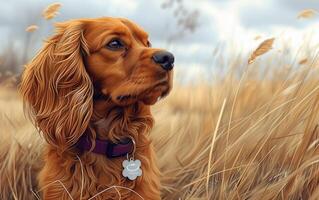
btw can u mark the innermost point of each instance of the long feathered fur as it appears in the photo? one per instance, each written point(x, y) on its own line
point(58, 95)
point(57, 89)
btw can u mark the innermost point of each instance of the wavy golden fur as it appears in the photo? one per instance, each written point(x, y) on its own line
point(75, 82)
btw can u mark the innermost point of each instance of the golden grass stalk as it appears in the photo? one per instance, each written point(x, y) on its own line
point(257, 37)
point(212, 147)
point(31, 28)
point(307, 13)
point(51, 11)
point(263, 48)
point(303, 61)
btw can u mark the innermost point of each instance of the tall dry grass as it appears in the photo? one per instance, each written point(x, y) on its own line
point(253, 136)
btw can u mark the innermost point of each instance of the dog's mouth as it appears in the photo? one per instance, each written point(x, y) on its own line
point(156, 93)
point(148, 95)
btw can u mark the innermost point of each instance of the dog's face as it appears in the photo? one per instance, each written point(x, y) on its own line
point(122, 64)
point(85, 57)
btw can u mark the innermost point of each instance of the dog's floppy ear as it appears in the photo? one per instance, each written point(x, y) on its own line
point(56, 88)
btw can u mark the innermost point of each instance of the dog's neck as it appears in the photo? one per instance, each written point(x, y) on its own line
point(113, 122)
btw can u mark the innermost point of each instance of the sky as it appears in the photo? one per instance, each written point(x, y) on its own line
point(227, 25)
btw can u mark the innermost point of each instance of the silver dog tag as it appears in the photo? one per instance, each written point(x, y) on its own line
point(132, 168)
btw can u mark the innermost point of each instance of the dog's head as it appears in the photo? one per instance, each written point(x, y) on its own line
point(122, 63)
point(87, 58)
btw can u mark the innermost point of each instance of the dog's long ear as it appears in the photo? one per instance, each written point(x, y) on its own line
point(56, 88)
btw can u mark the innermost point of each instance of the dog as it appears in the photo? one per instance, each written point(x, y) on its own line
point(89, 91)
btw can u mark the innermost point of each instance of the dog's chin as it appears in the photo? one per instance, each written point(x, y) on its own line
point(149, 96)
point(155, 95)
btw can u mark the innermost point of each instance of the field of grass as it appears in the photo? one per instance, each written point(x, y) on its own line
point(249, 136)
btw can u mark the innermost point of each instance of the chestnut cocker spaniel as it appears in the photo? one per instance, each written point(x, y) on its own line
point(89, 92)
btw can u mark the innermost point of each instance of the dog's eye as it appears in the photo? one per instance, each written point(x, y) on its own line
point(115, 44)
point(149, 44)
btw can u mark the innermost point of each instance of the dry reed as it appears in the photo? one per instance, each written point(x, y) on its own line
point(51, 11)
point(263, 48)
point(307, 13)
point(31, 28)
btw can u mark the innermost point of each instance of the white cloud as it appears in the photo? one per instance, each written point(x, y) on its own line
point(265, 18)
point(125, 6)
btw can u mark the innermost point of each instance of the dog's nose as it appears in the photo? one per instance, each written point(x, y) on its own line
point(165, 59)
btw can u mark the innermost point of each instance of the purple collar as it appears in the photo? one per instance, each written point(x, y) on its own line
point(106, 147)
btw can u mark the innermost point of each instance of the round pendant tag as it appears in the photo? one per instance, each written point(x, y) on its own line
point(131, 169)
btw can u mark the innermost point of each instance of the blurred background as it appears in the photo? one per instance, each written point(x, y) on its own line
point(204, 35)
